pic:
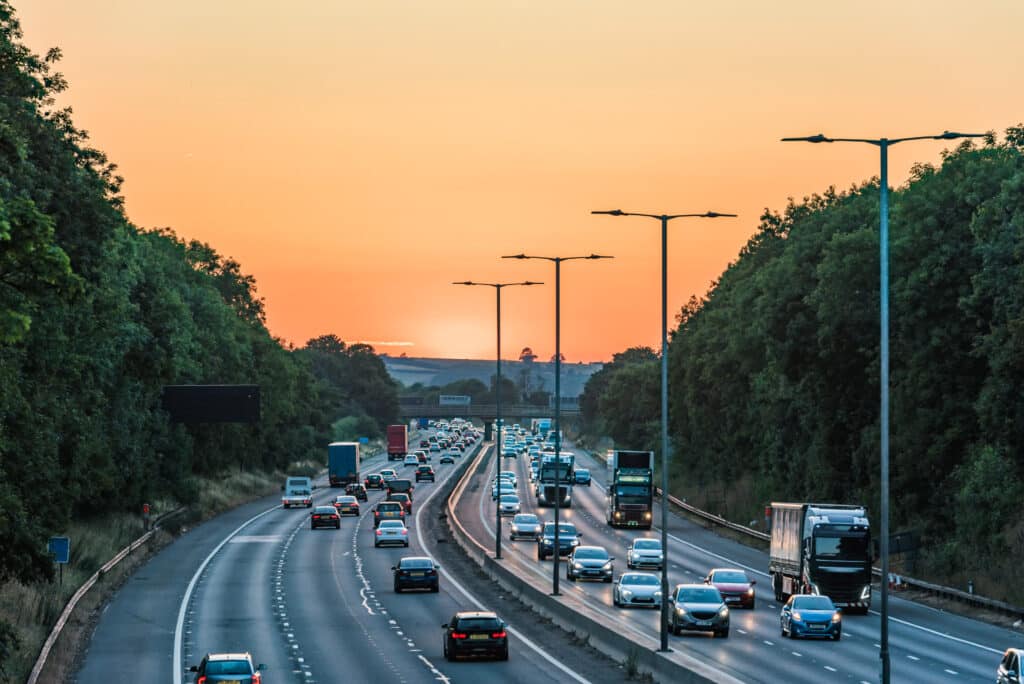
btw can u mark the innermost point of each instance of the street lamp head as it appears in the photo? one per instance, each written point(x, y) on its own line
point(464, 282)
point(809, 138)
point(530, 282)
point(514, 256)
point(598, 256)
point(952, 135)
point(613, 212)
point(715, 214)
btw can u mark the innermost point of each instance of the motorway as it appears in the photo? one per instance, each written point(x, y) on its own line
point(314, 606)
point(926, 645)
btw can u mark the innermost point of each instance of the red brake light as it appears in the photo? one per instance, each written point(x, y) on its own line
point(378, 533)
point(499, 635)
point(458, 635)
point(316, 517)
point(256, 678)
point(405, 531)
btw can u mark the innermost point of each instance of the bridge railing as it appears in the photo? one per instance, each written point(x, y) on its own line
point(513, 411)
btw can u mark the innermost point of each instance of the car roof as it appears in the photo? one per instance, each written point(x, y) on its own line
point(228, 656)
point(727, 570)
point(476, 614)
point(399, 523)
point(595, 548)
point(425, 559)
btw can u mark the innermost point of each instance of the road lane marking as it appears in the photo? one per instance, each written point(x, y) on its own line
point(913, 657)
point(831, 669)
point(952, 672)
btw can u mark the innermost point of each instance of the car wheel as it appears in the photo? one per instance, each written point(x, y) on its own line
point(615, 601)
point(503, 655)
point(607, 580)
point(838, 636)
point(569, 576)
point(436, 588)
point(448, 655)
point(312, 527)
point(723, 634)
point(676, 629)
point(338, 526)
point(398, 588)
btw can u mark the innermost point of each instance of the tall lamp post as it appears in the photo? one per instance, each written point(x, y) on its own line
point(497, 409)
point(558, 390)
point(664, 219)
point(883, 145)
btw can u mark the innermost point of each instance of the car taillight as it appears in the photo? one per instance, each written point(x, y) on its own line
point(256, 678)
point(405, 531)
point(376, 514)
point(201, 680)
point(458, 635)
point(379, 533)
point(498, 635)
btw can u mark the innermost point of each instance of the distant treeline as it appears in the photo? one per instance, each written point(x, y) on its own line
point(96, 316)
point(774, 374)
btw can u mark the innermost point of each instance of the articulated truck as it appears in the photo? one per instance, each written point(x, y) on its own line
point(630, 489)
point(554, 470)
point(398, 442)
point(342, 463)
point(821, 549)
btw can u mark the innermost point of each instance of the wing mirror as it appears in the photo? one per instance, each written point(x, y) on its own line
point(753, 582)
point(445, 625)
point(261, 667)
point(394, 567)
point(195, 668)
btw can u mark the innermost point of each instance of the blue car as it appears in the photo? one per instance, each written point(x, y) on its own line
point(582, 476)
point(808, 615)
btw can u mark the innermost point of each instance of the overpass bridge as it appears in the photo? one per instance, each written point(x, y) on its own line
point(518, 412)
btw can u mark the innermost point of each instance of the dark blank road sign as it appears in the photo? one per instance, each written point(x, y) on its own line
point(60, 548)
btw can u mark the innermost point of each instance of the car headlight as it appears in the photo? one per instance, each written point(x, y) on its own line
point(578, 566)
point(865, 593)
point(680, 610)
point(750, 591)
point(626, 593)
point(837, 616)
point(657, 594)
point(796, 616)
point(647, 515)
point(607, 566)
point(723, 611)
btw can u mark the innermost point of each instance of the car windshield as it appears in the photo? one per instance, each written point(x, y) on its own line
point(595, 554)
point(643, 580)
point(582, 471)
point(399, 497)
point(392, 524)
point(326, 510)
point(647, 545)
point(699, 595)
point(416, 563)
point(841, 548)
point(509, 498)
point(730, 576)
point(525, 519)
point(346, 499)
point(228, 667)
point(813, 603)
point(563, 530)
point(479, 624)
point(386, 506)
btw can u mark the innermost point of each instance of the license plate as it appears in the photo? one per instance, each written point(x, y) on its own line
point(416, 574)
point(732, 599)
point(703, 623)
point(477, 637)
point(817, 627)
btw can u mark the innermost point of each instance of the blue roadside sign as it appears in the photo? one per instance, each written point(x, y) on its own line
point(364, 440)
point(60, 548)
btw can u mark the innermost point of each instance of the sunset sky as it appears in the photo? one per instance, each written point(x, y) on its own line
point(357, 157)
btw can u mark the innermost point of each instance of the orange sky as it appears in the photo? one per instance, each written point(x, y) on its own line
point(357, 157)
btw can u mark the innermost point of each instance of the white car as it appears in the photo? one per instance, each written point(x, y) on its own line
point(411, 460)
point(508, 504)
point(645, 552)
point(391, 532)
point(502, 490)
point(508, 475)
point(388, 474)
point(524, 525)
point(637, 589)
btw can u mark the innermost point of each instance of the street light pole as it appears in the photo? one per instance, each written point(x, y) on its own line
point(664, 219)
point(558, 392)
point(883, 145)
point(497, 408)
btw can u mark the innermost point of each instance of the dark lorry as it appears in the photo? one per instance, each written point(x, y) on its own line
point(821, 549)
point(342, 463)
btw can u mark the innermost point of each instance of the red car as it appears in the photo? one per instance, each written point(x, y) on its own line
point(734, 586)
point(403, 499)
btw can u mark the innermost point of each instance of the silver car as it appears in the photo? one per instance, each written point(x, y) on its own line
point(645, 552)
point(508, 504)
point(391, 532)
point(524, 526)
point(637, 589)
point(700, 608)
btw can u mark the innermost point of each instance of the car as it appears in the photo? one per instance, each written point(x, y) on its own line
point(424, 444)
point(387, 475)
point(645, 552)
point(373, 481)
point(811, 615)
point(435, 448)
point(501, 489)
point(1010, 666)
point(357, 490)
point(734, 586)
point(637, 589)
point(508, 475)
point(475, 633)
point(411, 460)
point(524, 526)
point(425, 472)
point(402, 498)
point(454, 453)
point(568, 539)
point(509, 452)
point(346, 505)
point(227, 667)
point(508, 504)
point(388, 510)
point(698, 607)
point(324, 516)
point(421, 456)
point(447, 458)
point(581, 476)
point(391, 532)
point(589, 562)
point(416, 572)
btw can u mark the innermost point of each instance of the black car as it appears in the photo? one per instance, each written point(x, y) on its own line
point(475, 633)
point(447, 458)
point(568, 539)
point(227, 667)
point(357, 490)
point(415, 572)
point(424, 472)
point(582, 477)
point(324, 516)
point(374, 481)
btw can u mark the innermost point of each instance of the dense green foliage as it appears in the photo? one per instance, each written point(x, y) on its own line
point(774, 375)
point(97, 316)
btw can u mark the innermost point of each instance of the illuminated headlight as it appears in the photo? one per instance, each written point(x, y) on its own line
point(618, 514)
point(680, 611)
point(657, 594)
point(866, 593)
point(578, 566)
point(723, 611)
point(647, 515)
point(750, 591)
point(626, 593)
point(837, 616)
point(607, 566)
point(797, 617)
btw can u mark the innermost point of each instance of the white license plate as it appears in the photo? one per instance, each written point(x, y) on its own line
point(703, 623)
point(818, 627)
point(477, 637)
